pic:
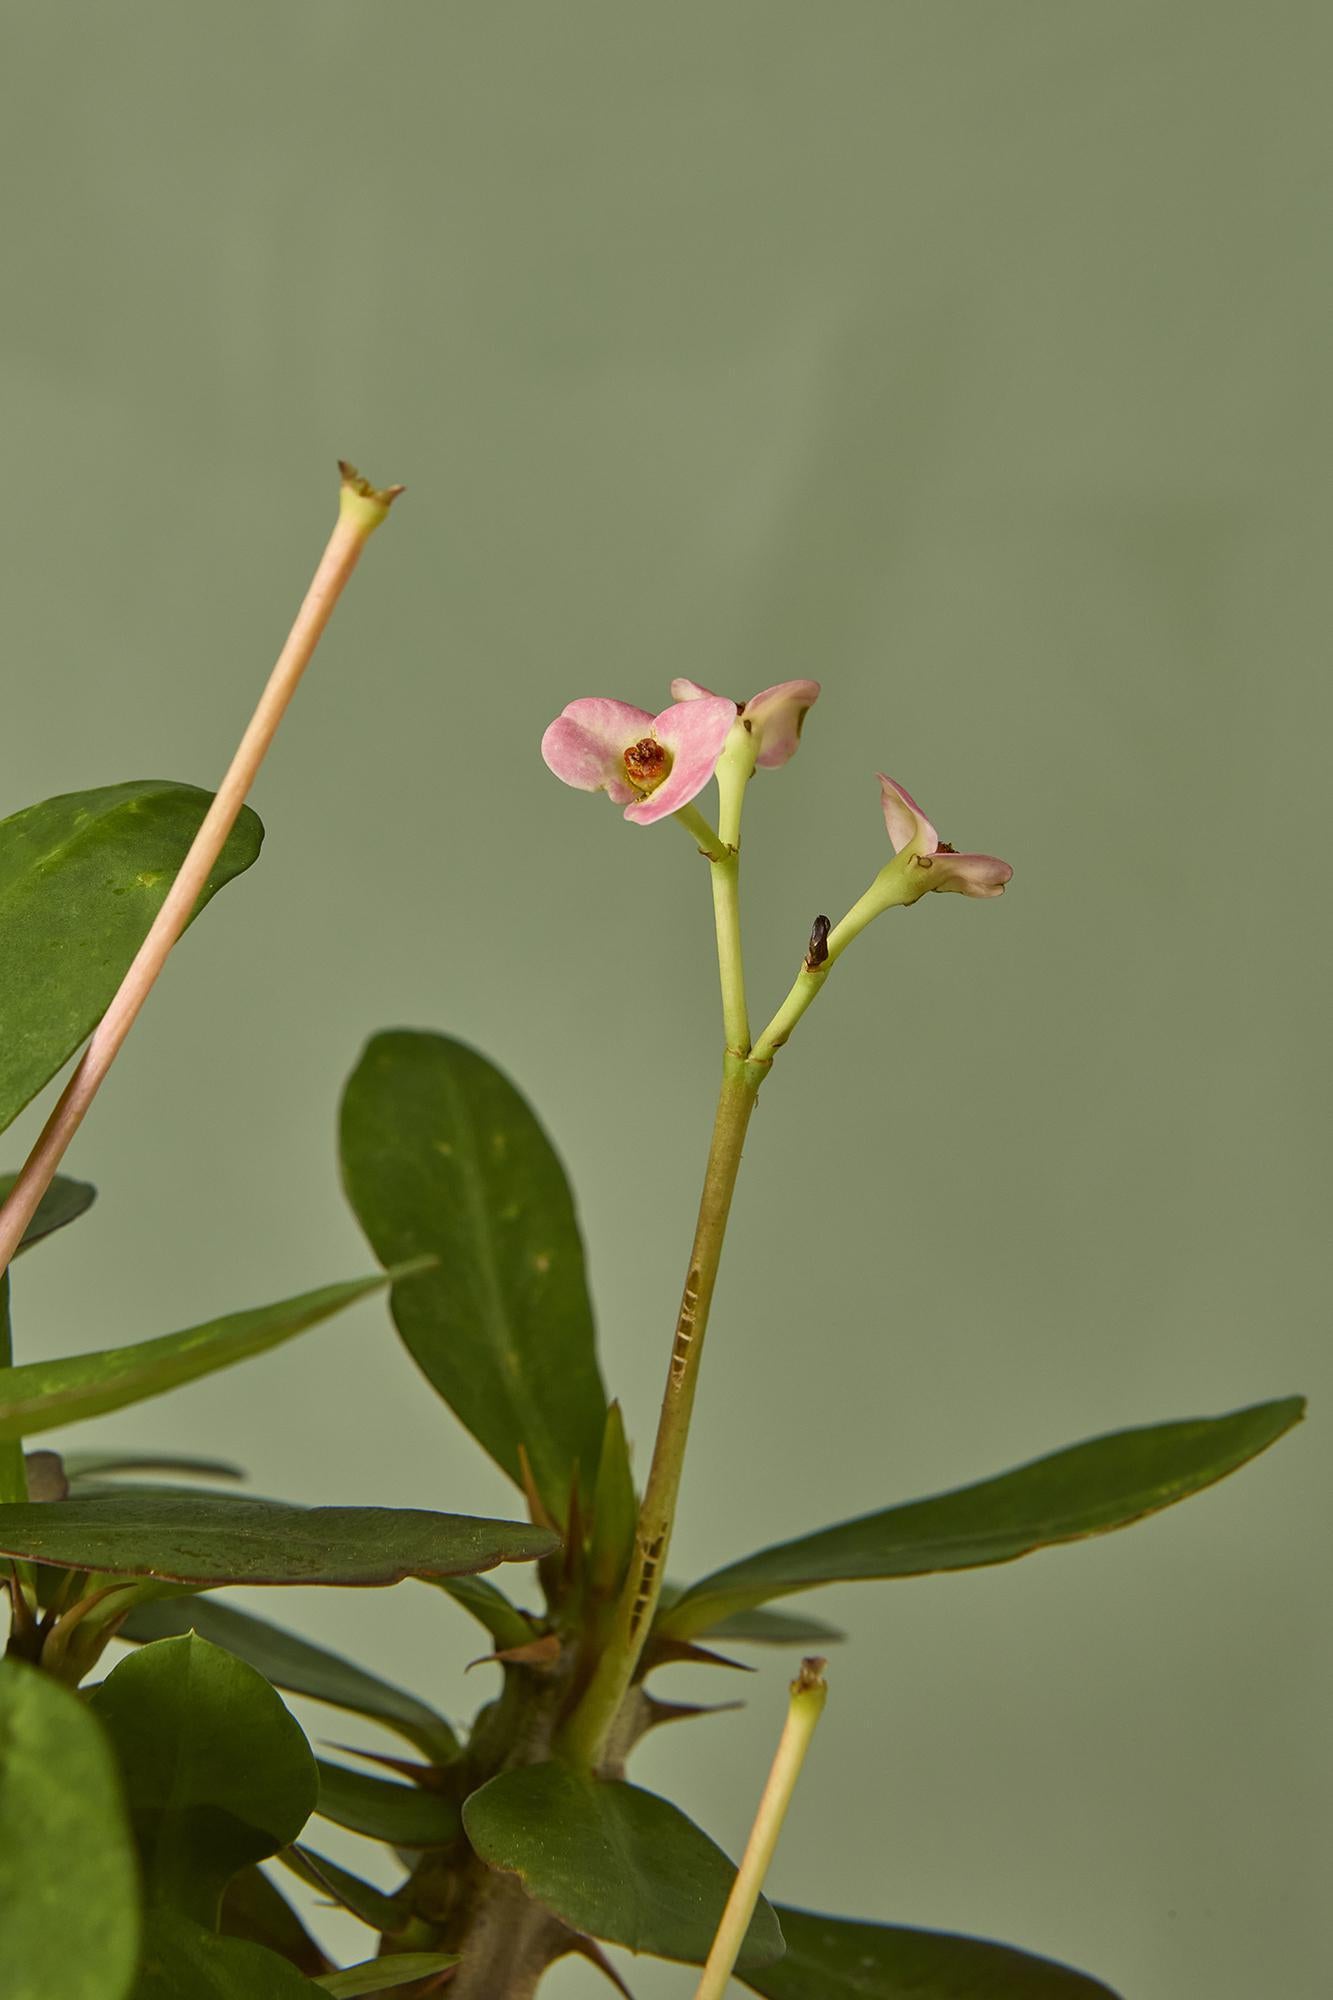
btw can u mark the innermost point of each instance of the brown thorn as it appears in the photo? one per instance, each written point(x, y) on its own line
point(817, 954)
point(537, 1511)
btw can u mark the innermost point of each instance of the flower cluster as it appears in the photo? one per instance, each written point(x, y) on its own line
point(655, 765)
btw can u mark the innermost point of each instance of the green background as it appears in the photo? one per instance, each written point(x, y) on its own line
point(972, 358)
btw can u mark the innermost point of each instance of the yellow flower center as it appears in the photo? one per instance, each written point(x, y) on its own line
point(646, 764)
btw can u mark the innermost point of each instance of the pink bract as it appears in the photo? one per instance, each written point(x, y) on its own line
point(911, 833)
point(775, 715)
point(589, 741)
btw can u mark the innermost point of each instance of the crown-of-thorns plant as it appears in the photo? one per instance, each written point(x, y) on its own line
point(137, 1812)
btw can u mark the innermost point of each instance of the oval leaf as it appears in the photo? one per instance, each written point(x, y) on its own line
point(773, 1628)
point(182, 1958)
point(81, 879)
point(613, 1861)
point(68, 1875)
point(400, 1815)
point(216, 1772)
point(182, 1538)
point(441, 1156)
point(64, 1202)
point(832, 1958)
point(297, 1665)
point(41, 1394)
point(489, 1606)
point(255, 1909)
point(381, 1975)
point(1084, 1490)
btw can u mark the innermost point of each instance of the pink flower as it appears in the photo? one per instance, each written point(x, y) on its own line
point(775, 716)
point(650, 764)
point(930, 862)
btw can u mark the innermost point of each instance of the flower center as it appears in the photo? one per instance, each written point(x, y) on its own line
point(647, 763)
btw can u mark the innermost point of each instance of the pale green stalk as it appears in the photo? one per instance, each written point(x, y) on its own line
point(884, 893)
point(586, 1731)
point(808, 1694)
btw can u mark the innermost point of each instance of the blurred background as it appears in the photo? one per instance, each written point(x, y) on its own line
point(974, 360)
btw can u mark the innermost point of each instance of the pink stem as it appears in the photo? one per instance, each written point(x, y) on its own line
point(361, 512)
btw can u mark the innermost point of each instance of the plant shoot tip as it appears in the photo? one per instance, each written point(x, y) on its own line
point(361, 502)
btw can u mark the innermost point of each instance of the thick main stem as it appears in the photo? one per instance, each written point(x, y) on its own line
point(586, 1731)
point(361, 510)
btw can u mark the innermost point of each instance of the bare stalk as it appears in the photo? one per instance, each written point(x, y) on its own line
point(808, 1693)
point(361, 509)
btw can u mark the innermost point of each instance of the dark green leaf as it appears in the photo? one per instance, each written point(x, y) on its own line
point(297, 1665)
point(773, 1628)
point(95, 1464)
point(613, 1861)
point(442, 1156)
point(1084, 1490)
point(615, 1510)
point(81, 879)
point(42, 1394)
point(831, 1958)
point(253, 1908)
point(64, 1201)
point(208, 1541)
point(371, 1905)
point(380, 1975)
point(184, 1961)
point(68, 1876)
point(216, 1772)
point(489, 1606)
point(400, 1815)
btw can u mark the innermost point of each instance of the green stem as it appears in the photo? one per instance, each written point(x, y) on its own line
point(734, 771)
point(585, 1733)
point(702, 834)
point(810, 979)
point(730, 963)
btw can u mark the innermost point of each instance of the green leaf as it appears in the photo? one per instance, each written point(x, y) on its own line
point(297, 1665)
point(615, 1510)
point(216, 1772)
point(400, 1815)
point(1084, 1490)
point(380, 1975)
point(254, 1908)
point(68, 1877)
point(41, 1394)
point(81, 879)
point(442, 1156)
point(832, 1958)
point(611, 1860)
point(184, 1961)
point(371, 1905)
point(209, 1541)
point(64, 1201)
point(773, 1628)
point(489, 1606)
